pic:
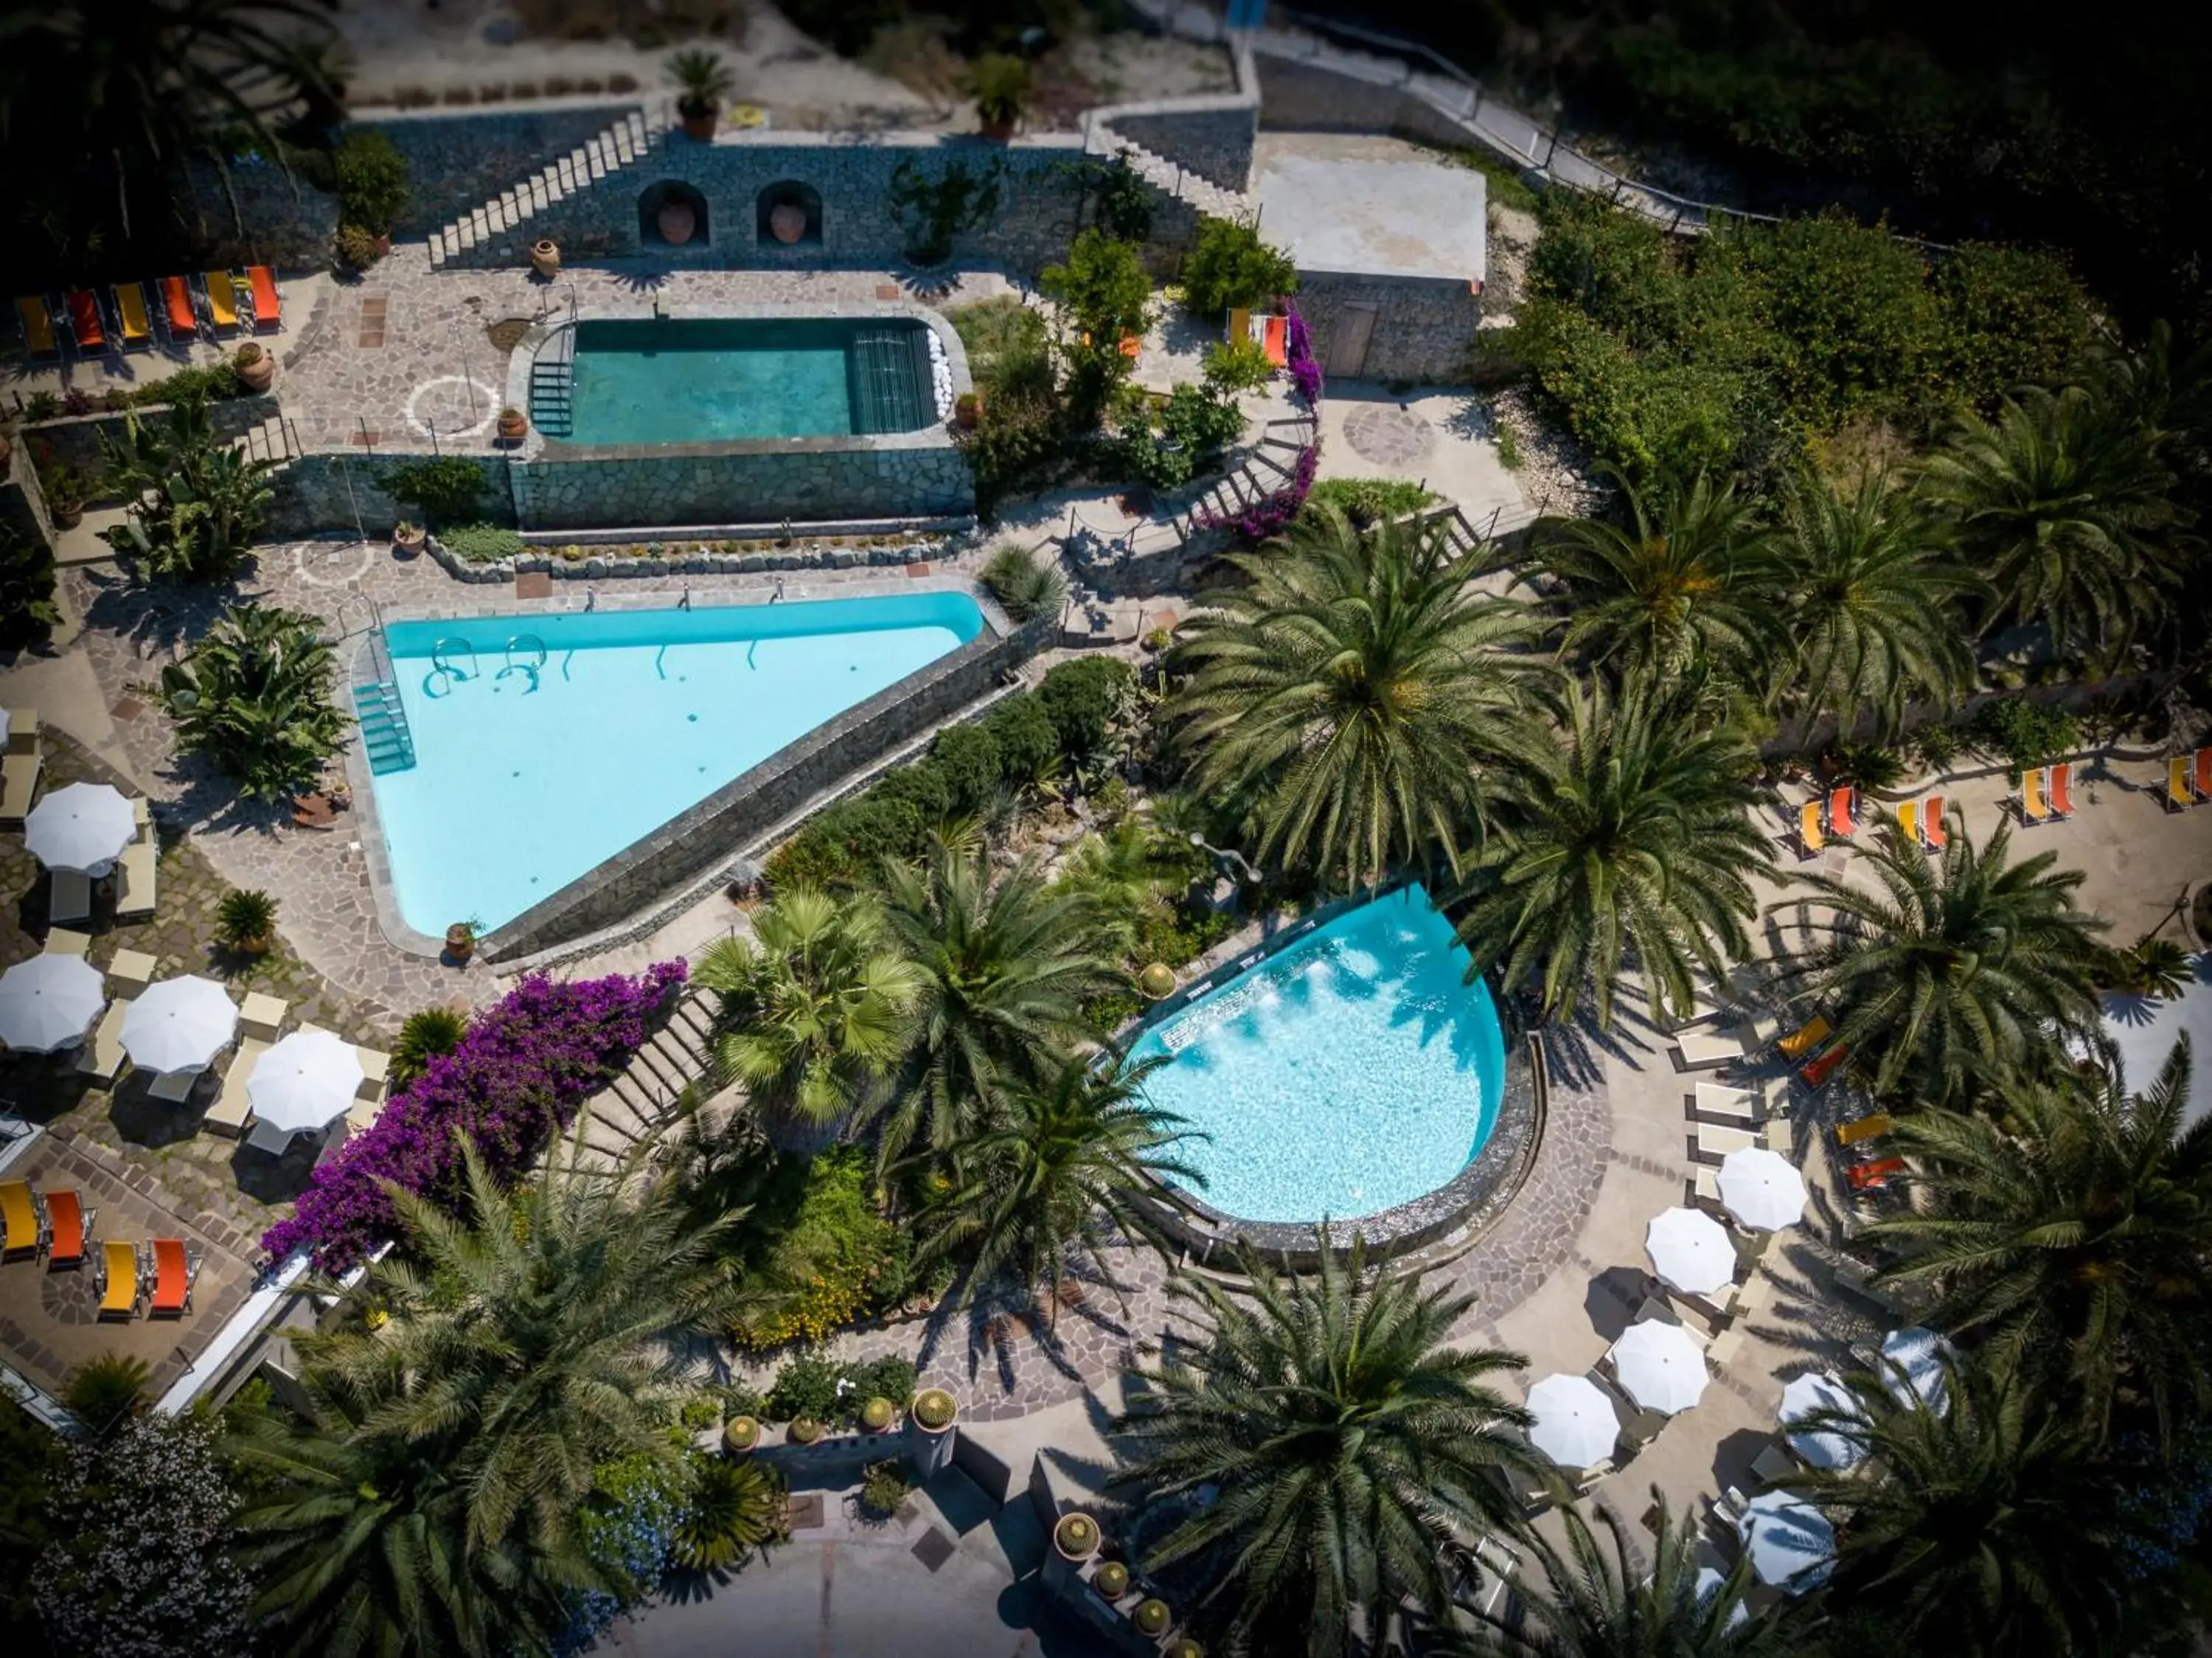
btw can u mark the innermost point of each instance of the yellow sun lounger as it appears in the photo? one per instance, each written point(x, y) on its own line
point(222, 299)
point(1908, 819)
point(21, 1212)
point(1806, 1038)
point(118, 1280)
point(2178, 794)
point(2033, 807)
point(1809, 833)
point(37, 324)
point(137, 324)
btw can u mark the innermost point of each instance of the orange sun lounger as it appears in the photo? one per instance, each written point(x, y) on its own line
point(67, 1230)
point(1816, 1074)
point(84, 321)
point(172, 1279)
point(1842, 804)
point(1866, 1176)
point(2204, 772)
point(130, 312)
point(118, 1280)
point(268, 304)
point(177, 307)
point(1932, 828)
point(38, 327)
point(2062, 790)
point(222, 299)
point(1806, 1038)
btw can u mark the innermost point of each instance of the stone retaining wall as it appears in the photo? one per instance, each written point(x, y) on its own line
point(22, 503)
point(733, 484)
point(1424, 326)
point(258, 215)
point(76, 440)
point(460, 159)
point(317, 493)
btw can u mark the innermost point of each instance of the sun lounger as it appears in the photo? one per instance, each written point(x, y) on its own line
point(1240, 325)
point(375, 1073)
point(232, 1113)
point(1817, 1073)
point(36, 324)
point(1872, 1127)
point(22, 731)
point(137, 328)
point(1773, 1464)
point(70, 895)
point(2203, 774)
point(85, 325)
point(182, 321)
point(132, 969)
point(1701, 1049)
point(1908, 820)
point(2062, 790)
point(262, 1015)
point(135, 878)
point(1810, 835)
point(1843, 807)
point(175, 1087)
point(69, 1229)
point(118, 1280)
point(1725, 1347)
point(19, 786)
point(1715, 1143)
point(1736, 1105)
point(103, 1056)
point(20, 1210)
point(1871, 1177)
point(1275, 336)
point(174, 1269)
point(1705, 1188)
point(2032, 807)
point(1933, 829)
point(1806, 1038)
point(67, 940)
point(222, 301)
point(268, 304)
point(2179, 795)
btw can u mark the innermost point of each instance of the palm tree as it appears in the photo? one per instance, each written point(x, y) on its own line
point(1954, 971)
point(1593, 1604)
point(1629, 837)
point(1350, 693)
point(1077, 1165)
point(815, 1007)
point(2074, 1234)
point(1342, 1446)
point(1992, 1528)
point(1872, 610)
point(196, 503)
point(1679, 584)
point(2064, 505)
point(254, 696)
point(1005, 967)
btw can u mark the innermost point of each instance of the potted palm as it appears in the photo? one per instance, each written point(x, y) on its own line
point(66, 488)
point(703, 82)
point(256, 367)
point(407, 539)
point(245, 922)
point(999, 84)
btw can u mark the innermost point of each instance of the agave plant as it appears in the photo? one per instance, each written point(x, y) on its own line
point(733, 1508)
point(245, 922)
point(426, 1034)
point(254, 696)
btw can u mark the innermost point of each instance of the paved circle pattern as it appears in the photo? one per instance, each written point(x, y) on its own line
point(456, 405)
point(1387, 435)
point(333, 564)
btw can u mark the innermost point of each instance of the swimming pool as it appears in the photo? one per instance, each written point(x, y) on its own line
point(694, 380)
point(545, 745)
point(1350, 1073)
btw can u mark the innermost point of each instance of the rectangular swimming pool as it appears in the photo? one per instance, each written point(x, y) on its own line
point(679, 379)
point(545, 745)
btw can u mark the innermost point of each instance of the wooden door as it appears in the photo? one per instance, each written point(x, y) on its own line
point(1347, 352)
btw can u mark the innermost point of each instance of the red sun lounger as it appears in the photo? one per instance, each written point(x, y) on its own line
point(84, 321)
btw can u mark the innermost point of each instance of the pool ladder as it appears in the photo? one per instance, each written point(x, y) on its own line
point(552, 386)
point(384, 736)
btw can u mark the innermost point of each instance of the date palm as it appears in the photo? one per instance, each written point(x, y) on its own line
point(1872, 612)
point(1005, 966)
point(816, 1009)
point(1677, 585)
point(2072, 1236)
point(1625, 842)
point(1076, 1165)
point(1952, 972)
point(1349, 692)
point(1341, 1443)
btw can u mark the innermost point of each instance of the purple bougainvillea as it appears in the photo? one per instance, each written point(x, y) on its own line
point(1298, 356)
point(519, 1076)
point(1274, 514)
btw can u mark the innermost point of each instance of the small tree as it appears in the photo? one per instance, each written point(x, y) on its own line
point(445, 489)
point(196, 504)
point(1228, 265)
point(27, 611)
point(254, 696)
point(371, 178)
point(1104, 293)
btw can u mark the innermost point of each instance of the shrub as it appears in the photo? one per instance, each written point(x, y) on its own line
point(729, 1509)
point(1025, 586)
point(1028, 743)
point(27, 610)
point(1228, 265)
point(254, 696)
point(195, 505)
point(1106, 293)
point(967, 756)
point(884, 1486)
point(480, 544)
point(355, 248)
point(1936, 745)
point(526, 1065)
point(372, 180)
point(891, 1377)
point(1865, 766)
point(1366, 500)
point(1237, 365)
point(1194, 426)
point(1082, 697)
point(424, 1036)
point(105, 1392)
point(2025, 732)
point(445, 489)
point(834, 1262)
point(805, 1386)
point(628, 1529)
point(246, 921)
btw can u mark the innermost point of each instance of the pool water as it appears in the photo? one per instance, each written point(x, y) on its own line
point(1349, 1073)
point(679, 379)
point(534, 766)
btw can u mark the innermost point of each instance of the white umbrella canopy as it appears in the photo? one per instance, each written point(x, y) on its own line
point(303, 1081)
point(1791, 1544)
point(180, 1024)
point(49, 1002)
point(1824, 1447)
point(1575, 1425)
point(1710, 1583)
point(81, 827)
point(1912, 1362)
point(1660, 1366)
point(1691, 1251)
point(1760, 1188)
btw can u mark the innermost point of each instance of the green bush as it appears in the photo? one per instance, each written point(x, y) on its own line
point(480, 544)
point(1082, 696)
point(1228, 267)
point(1367, 500)
point(1234, 365)
point(445, 489)
point(210, 382)
point(372, 180)
point(967, 757)
point(1028, 743)
point(254, 696)
point(2024, 734)
point(884, 1486)
point(825, 1255)
point(891, 1377)
point(1165, 445)
point(105, 1392)
point(804, 1386)
point(27, 610)
point(1025, 586)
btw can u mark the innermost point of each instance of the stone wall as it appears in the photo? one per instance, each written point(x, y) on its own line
point(76, 440)
point(316, 493)
point(1424, 326)
point(22, 504)
point(277, 219)
point(460, 159)
point(1343, 93)
point(918, 475)
point(739, 813)
point(1211, 141)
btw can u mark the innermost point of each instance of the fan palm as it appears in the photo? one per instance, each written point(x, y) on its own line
point(1953, 973)
point(1338, 1443)
point(1871, 615)
point(1595, 1604)
point(1076, 1165)
point(1629, 836)
point(254, 696)
point(1350, 693)
point(2076, 1235)
point(1677, 584)
point(1005, 966)
point(2064, 506)
point(1993, 1527)
point(814, 1009)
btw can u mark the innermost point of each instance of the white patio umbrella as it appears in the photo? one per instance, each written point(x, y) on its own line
point(4, 722)
point(49, 1002)
point(1791, 1544)
point(1659, 1366)
point(1817, 1389)
point(1760, 1188)
point(1913, 1367)
point(302, 1082)
point(1691, 1251)
point(1709, 1584)
point(84, 828)
point(1575, 1425)
point(180, 1024)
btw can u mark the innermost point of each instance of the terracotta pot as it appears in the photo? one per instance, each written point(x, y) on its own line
point(786, 223)
point(700, 128)
point(383, 245)
point(67, 515)
point(998, 132)
point(1076, 1537)
point(407, 539)
point(545, 259)
point(460, 941)
point(514, 425)
point(677, 221)
point(256, 373)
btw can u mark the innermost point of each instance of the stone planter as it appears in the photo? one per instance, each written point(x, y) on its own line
point(930, 1427)
point(545, 257)
point(256, 367)
point(677, 221)
point(407, 539)
point(1076, 1537)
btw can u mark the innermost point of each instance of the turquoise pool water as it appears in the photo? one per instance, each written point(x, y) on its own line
point(529, 773)
point(683, 380)
point(1353, 1072)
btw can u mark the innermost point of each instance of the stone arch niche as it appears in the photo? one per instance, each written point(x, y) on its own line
point(788, 214)
point(671, 214)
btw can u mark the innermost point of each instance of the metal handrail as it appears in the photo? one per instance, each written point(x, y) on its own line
point(437, 656)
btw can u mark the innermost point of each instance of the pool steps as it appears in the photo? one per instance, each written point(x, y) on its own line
point(385, 734)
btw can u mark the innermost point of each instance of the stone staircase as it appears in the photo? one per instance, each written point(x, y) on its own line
point(629, 140)
point(1101, 139)
point(1268, 466)
point(639, 1104)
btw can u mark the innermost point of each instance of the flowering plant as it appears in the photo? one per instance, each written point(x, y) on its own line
point(1298, 356)
point(1274, 514)
point(518, 1077)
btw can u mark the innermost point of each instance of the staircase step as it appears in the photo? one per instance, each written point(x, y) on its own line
point(657, 1062)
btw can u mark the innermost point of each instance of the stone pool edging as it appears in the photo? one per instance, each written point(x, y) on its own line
point(533, 560)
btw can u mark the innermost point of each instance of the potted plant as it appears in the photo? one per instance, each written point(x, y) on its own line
point(703, 82)
point(999, 84)
point(1151, 1616)
point(929, 1422)
point(967, 410)
point(1157, 981)
point(1112, 1580)
point(740, 1434)
point(461, 941)
point(407, 539)
point(1183, 1646)
point(66, 488)
point(545, 257)
point(805, 1431)
point(877, 1415)
point(935, 1409)
point(514, 425)
point(245, 922)
point(256, 367)
point(1076, 1536)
